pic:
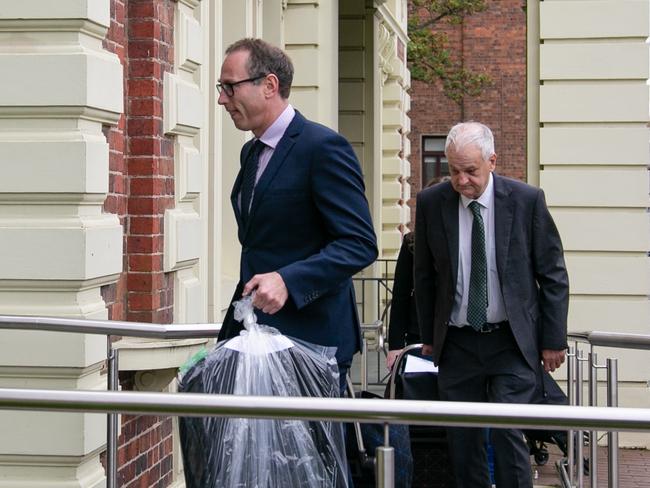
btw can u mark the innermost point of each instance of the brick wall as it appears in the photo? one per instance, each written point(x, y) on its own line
point(141, 187)
point(145, 449)
point(493, 42)
point(150, 159)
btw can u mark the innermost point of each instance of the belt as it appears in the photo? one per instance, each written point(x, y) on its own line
point(488, 327)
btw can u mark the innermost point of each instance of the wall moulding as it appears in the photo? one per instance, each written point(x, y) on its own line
point(71, 112)
point(190, 3)
point(45, 26)
point(41, 84)
point(183, 106)
point(189, 43)
point(188, 173)
point(182, 239)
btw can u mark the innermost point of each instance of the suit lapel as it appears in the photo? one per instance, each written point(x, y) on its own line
point(279, 157)
point(503, 217)
point(450, 222)
point(234, 194)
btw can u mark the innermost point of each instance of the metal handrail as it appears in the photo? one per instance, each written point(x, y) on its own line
point(612, 339)
point(459, 414)
point(451, 413)
point(576, 360)
point(109, 327)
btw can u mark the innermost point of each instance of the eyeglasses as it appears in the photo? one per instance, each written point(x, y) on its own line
point(229, 88)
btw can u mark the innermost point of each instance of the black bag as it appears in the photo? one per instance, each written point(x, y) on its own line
point(362, 466)
point(431, 466)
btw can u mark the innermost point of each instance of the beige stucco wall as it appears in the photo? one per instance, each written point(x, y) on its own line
point(592, 161)
point(373, 108)
point(58, 86)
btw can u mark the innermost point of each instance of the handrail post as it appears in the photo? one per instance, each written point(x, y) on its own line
point(364, 363)
point(593, 435)
point(612, 436)
point(571, 393)
point(112, 418)
point(579, 434)
point(385, 462)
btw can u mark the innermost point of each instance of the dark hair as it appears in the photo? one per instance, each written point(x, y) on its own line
point(264, 58)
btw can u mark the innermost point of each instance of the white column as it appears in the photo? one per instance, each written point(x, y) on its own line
point(57, 248)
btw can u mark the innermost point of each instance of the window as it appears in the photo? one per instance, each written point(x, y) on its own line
point(434, 162)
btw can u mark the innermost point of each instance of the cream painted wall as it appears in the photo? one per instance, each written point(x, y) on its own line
point(373, 86)
point(57, 247)
point(234, 21)
point(390, 42)
point(186, 92)
point(311, 40)
point(593, 160)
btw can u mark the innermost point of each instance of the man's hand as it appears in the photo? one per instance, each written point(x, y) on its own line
point(391, 357)
point(552, 359)
point(427, 349)
point(270, 292)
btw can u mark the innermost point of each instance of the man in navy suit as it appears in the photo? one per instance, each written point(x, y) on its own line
point(305, 228)
point(492, 296)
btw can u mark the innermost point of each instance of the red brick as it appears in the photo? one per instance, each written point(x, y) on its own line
point(145, 262)
point(144, 29)
point(144, 68)
point(147, 186)
point(143, 166)
point(166, 167)
point(115, 204)
point(144, 244)
point(148, 87)
point(144, 145)
point(145, 225)
point(117, 183)
point(146, 107)
point(116, 140)
point(141, 282)
point(144, 49)
point(141, 10)
point(143, 206)
point(116, 162)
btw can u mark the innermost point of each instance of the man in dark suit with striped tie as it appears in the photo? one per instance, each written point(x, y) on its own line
point(492, 296)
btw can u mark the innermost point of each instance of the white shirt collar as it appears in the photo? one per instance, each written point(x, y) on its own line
point(274, 133)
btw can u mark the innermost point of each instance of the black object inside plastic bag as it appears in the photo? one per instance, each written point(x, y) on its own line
point(237, 452)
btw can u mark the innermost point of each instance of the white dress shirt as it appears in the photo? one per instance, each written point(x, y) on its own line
point(271, 138)
point(496, 311)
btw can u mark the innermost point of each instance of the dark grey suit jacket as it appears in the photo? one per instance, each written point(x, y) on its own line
point(529, 258)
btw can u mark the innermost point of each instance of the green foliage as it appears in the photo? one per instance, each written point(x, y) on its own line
point(429, 57)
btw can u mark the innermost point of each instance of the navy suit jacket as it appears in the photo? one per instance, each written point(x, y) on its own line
point(529, 260)
point(310, 222)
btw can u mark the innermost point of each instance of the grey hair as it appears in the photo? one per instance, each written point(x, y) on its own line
point(471, 134)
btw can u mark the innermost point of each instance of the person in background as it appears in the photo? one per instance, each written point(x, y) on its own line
point(492, 295)
point(303, 219)
point(403, 329)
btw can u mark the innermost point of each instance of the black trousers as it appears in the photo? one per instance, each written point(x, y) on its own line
point(486, 367)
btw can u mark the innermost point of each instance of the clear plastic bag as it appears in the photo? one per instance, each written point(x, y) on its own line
point(261, 453)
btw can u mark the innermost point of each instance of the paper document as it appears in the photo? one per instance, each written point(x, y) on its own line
point(415, 364)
